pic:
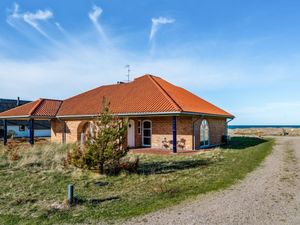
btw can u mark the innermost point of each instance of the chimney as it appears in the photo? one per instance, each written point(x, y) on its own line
point(18, 101)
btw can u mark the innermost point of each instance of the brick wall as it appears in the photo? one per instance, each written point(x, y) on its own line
point(217, 128)
point(57, 128)
point(162, 136)
point(161, 131)
point(69, 130)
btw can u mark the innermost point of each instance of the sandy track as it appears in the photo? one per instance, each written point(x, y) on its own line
point(269, 195)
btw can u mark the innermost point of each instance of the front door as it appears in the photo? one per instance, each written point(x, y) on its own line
point(130, 134)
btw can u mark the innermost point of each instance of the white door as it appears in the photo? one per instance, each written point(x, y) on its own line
point(130, 134)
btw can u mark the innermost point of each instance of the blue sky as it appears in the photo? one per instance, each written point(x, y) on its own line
point(243, 56)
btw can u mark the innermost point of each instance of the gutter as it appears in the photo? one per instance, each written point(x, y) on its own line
point(172, 113)
point(148, 114)
point(25, 117)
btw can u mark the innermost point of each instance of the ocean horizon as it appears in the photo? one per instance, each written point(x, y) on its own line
point(261, 126)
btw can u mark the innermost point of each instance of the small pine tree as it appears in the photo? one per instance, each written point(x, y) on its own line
point(106, 143)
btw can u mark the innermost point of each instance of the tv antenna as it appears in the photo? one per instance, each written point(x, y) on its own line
point(128, 73)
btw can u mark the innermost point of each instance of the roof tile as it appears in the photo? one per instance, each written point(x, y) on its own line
point(146, 94)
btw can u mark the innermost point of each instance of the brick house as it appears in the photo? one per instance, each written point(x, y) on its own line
point(161, 115)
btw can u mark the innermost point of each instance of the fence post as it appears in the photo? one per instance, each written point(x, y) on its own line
point(70, 194)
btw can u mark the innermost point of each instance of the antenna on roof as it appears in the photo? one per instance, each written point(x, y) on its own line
point(128, 72)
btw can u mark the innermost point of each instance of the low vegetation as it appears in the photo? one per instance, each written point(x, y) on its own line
point(105, 145)
point(34, 182)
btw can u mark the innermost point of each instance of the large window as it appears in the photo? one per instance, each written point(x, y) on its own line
point(147, 132)
point(204, 134)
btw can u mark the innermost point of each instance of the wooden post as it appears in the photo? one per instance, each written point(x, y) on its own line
point(31, 131)
point(174, 135)
point(5, 132)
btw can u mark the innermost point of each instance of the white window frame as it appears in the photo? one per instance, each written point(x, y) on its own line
point(147, 136)
point(202, 132)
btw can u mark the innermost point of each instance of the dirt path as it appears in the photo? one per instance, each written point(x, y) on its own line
point(269, 195)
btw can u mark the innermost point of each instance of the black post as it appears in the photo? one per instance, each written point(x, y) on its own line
point(174, 135)
point(31, 131)
point(70, 194)
point(5, 132)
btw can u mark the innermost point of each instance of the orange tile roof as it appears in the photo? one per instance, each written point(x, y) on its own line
point(38, 108)
point(187, 101)
point(147, 94)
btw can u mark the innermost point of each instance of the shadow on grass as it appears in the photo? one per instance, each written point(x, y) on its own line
point(165, 167)
point(239, 143)
point(82, 201)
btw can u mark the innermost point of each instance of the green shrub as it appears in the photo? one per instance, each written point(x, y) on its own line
point(105, 146)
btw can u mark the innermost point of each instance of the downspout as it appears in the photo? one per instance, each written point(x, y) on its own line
point(227, 125)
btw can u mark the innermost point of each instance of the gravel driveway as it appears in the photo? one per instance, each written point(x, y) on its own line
point(269, 195)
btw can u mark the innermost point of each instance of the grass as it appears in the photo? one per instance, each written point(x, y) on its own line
point(34, 182)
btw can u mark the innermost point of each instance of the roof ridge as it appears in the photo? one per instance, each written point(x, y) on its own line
point(39, 102)
point(164, 92)
point(59, 107)
point(51, 99)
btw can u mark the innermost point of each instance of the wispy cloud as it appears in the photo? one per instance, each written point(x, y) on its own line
point(89, 63)
point(156, 23)
point(60, 28)
point(94, 16)
point(31, 19)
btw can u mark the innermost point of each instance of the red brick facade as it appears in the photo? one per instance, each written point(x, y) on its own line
point(188, 131)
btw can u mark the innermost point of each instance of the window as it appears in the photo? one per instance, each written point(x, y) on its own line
point(204, 134)
point(147, 132)
point(139, 127)
point(22, 128)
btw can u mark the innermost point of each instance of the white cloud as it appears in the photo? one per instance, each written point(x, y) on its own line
point(60, 28)
point(156, 23)
point(31, 19)
point(94, 16)
point(82, 65)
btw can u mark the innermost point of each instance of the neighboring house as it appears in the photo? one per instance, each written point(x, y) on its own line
point(161, 115)
point(19, 128)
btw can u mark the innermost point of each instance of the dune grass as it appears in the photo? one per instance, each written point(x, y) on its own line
point(34, 182)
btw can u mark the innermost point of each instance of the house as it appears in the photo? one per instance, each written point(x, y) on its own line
point(161, 115)
point(19, 128)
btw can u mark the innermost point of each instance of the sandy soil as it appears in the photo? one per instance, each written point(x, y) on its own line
point(269, 195)
point(265, 131)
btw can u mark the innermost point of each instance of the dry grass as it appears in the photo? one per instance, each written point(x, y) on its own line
point(33, 184)
point(265, 132)
point(46, 156)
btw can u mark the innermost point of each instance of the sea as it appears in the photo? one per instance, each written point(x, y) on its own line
point(261, 126)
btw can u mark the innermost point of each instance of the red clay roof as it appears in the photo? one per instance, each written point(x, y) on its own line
point(187, 101)
point(146, 94)
point(38, 108)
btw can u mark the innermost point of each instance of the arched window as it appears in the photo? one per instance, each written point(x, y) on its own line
point(147, 132)
point(204, 134)
point(85, 131)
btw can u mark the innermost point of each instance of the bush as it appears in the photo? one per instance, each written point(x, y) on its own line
point(105, 146)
